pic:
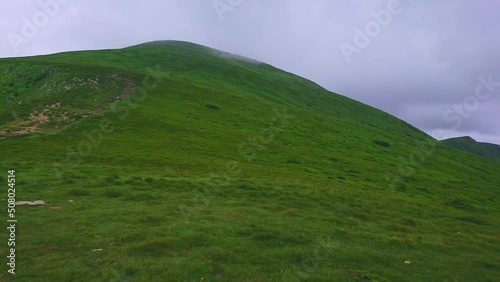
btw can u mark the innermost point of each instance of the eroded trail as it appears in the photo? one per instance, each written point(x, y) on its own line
point(36, 120)
point(53, 114)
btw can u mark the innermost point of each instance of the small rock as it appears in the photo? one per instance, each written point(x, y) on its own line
point(35, 203)
point(407, 262)
point(70, 201)
point(22, 203)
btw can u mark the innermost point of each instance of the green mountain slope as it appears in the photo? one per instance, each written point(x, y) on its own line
point(185, 163)
point(470, 145)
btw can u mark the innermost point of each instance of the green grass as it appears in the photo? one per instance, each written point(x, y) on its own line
point(231, 170)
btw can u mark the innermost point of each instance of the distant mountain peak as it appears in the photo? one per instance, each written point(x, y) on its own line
point(468, 144)
point(469, 138)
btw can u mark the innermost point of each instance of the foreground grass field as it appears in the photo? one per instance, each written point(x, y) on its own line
point(212, 167)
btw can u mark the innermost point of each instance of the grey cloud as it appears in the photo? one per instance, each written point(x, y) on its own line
point(426, 60)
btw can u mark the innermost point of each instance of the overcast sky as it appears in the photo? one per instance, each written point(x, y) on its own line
point(434, 64)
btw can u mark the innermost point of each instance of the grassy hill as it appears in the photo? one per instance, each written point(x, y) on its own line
point(470, 145)
point(170, 161)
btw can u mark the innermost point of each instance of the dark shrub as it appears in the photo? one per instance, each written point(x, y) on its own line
point(293, 160)
point(381, 143)
point(401, 188)
point(112, 193)
point(460, 204)
point(247, 186)
point(213, 107)
point(111, 178)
